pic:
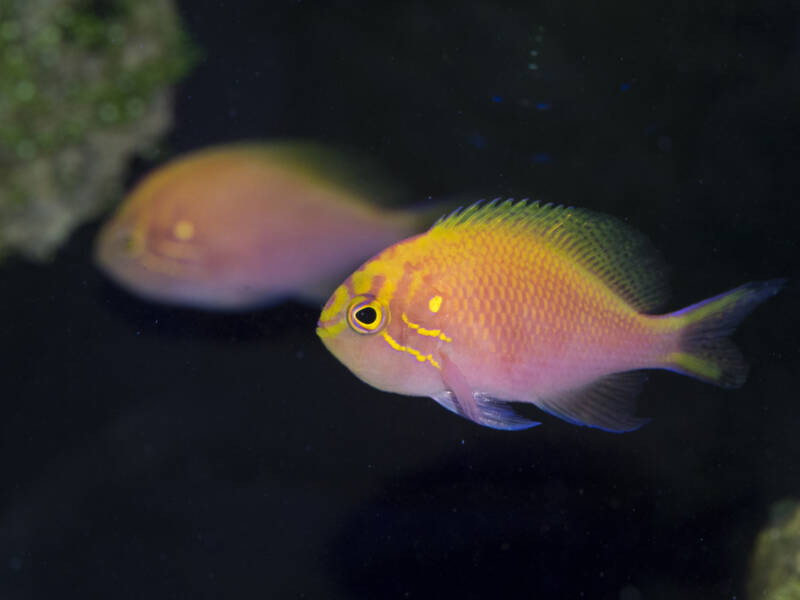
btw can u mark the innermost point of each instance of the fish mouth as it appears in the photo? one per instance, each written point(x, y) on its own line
point(330, 329)
point(128, 255)
point(115, 241)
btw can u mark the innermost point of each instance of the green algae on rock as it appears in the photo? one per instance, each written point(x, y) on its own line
point(85, 84)
point(775, 563)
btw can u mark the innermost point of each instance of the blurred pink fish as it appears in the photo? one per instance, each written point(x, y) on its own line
point(239, 226)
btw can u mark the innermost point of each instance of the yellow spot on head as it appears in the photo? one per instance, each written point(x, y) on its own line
point(435, 303)
point(183, 230)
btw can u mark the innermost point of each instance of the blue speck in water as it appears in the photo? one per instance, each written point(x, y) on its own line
point(624, 87)
point(497, 99)
point(477, 140)
point(544, 105)
point(542, 157)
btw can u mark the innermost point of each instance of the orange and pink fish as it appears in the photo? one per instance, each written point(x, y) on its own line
point(518, 302)
point(239, 226)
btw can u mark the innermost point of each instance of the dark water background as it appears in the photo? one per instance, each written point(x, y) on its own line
point(148, 452)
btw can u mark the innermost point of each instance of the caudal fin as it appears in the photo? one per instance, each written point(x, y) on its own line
point(704, 350)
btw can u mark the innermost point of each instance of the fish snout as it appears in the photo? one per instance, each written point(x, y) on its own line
point(116, 242)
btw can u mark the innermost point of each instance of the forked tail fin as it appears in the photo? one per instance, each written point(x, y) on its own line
point(704, 350)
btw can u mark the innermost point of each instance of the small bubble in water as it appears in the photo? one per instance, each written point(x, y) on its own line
point(477, 140)
point(542, 158)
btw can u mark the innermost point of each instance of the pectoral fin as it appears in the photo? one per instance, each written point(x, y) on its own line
point(477, 407)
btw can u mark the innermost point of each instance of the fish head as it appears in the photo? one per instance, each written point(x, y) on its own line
point(157, 246)
point(351, 326)
point(365, 325)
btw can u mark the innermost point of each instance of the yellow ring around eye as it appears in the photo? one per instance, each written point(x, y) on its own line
point(366, 315)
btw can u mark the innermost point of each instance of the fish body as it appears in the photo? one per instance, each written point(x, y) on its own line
point(519, 302)
point(243, 225)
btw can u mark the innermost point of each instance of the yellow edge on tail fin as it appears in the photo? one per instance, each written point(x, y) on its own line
point(696, 366)
point(704, 350)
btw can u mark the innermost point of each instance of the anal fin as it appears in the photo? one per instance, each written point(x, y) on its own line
point(607, 403)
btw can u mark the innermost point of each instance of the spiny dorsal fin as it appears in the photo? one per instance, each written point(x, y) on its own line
point(622, 258)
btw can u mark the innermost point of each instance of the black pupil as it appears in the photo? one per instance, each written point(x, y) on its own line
point(367, 315)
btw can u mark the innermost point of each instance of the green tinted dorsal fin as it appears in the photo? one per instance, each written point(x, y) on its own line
point(620, 257)
point(332, 166)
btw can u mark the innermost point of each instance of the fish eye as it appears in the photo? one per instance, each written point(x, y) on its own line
point(366, 315)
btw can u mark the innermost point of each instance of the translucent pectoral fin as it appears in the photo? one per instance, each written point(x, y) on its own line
point(607, 403)
point(479, 408)
point(491, 412)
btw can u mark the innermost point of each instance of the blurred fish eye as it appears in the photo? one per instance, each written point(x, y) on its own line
point(366, 315)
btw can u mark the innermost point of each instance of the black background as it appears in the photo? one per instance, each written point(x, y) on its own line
point(149, 452)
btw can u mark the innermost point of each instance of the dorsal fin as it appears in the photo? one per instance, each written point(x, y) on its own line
point(622, 258)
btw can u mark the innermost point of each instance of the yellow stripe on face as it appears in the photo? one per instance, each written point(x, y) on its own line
point(170, 267)
point(340, 298)
point(178, 250)
point(330, 331)
point(437, 333)
point(362, 282)
point(380, 273)
point(415, 353)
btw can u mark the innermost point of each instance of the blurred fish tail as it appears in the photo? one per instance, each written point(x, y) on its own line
point(704, 350)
